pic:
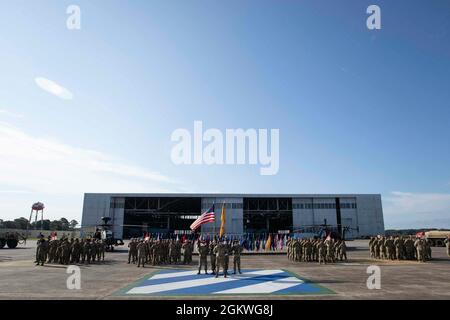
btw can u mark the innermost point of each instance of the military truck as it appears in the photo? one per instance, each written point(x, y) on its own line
point(437, 237)
point(10, 239)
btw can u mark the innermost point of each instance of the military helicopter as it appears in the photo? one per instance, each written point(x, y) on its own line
point(324, 230)
point(104, 232)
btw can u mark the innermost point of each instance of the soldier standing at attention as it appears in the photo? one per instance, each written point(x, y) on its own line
point(237, 250)
point(447, 244)
point(398, 243)
point(342, 251)
point(372, 247)
point(203, 250)
point(427, 247)
point(212, 256)
point(75, 258)
point(132, 251)
point(142, 253)
point(221, 250)
point(187, 254)
point(41, 251)
point(420, 250)
point(322, 248)
point(87, 250)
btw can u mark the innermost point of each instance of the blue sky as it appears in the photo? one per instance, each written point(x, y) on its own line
point(359, 111)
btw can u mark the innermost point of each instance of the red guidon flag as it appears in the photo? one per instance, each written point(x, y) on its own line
point(208, 216)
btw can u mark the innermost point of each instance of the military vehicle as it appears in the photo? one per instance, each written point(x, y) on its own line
point(10, 239)
point(323, 231)
point(104, 232)
point(437, 238)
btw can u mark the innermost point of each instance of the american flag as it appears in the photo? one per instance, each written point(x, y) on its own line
point(206, 217)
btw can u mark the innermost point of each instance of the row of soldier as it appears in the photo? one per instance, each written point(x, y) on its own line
point(169, 251)
point(219, 253)
point(316, 250)
point(399, 248)
point(65, 251)
point(157, 252)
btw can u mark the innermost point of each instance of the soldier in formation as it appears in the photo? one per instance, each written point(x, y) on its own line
point(400, 248)
point(73, 251)
point(203, 250)
point(222, 250)
point(236, 249)
point(168, 251)
point(212, 256)
point(447, 244)
point(158, 252)
point(316, 250)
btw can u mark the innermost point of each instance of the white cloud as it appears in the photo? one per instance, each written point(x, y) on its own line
point(10, 113)
point(417, 210)
point(53, 88)
point(36, 169)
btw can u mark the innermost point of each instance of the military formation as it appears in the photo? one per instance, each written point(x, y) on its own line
point(168, 251)
point(316, 250)
point(157, 252)
point(400, 248)
point(73, 251)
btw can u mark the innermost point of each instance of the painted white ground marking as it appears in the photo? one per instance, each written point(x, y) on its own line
point(196, 282)
point(173, 274)
point(265, 287)
point(178, 285)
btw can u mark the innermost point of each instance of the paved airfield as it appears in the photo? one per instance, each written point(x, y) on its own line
point(272, 276)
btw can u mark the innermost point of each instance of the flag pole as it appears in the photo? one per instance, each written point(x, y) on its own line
point(214, 227)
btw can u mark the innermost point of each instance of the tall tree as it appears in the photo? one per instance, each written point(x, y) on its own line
point(73, 224)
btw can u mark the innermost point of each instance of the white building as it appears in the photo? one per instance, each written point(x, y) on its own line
point(131, 214)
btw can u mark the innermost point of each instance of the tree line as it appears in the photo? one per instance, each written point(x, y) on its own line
point(22, 223)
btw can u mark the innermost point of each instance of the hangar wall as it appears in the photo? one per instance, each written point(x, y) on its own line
point(362, 213)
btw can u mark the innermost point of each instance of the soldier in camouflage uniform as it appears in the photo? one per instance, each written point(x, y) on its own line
point(315, 250)
point(390, 249)
point(410, 251)
point(65, 252)
point(212, 256)
point(142, 253)
point(297, 250)
point(101, 251)
point(94, 249)
point(187, 253)
point(427, 247)
point(203, 250)
point(75, 252)
point(132, 251)
point(399, 248)
point(322, 251)
point(172, 252)
point(41, 251)
point(447, 244)
point(372, 247)
point(289, 248)
point(342, 250)
point(53, 246)
point(237, 250)
point(87, 251)
point(221, 251)
point(420, 250)
point(331, 251)
point(307, 251)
